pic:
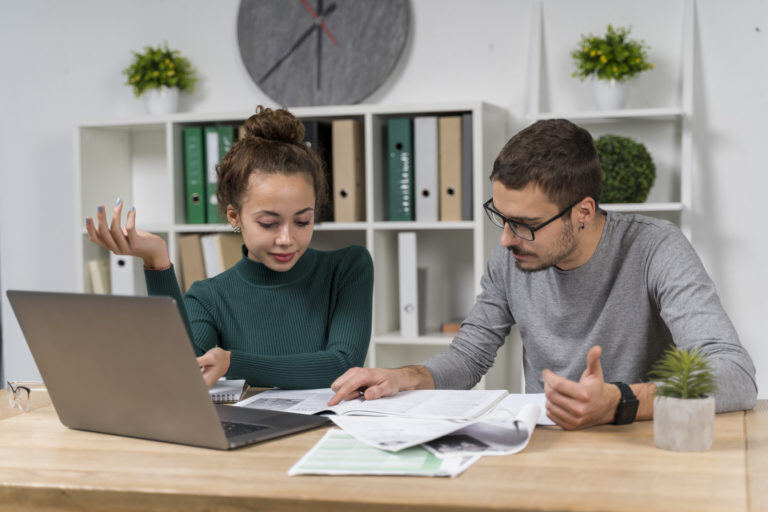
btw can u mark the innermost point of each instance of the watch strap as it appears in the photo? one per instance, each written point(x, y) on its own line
point(627, 408)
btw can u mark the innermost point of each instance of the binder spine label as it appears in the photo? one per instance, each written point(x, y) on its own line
point(400, 168)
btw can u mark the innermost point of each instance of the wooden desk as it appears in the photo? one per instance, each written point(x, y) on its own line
point(44, 465)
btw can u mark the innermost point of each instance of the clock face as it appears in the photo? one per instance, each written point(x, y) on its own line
point(321, 52)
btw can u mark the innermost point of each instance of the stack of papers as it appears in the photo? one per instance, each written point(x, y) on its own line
point(389, 435)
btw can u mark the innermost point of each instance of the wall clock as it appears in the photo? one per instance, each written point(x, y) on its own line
point(321, 52)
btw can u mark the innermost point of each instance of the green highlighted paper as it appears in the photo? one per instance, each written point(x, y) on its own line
point(338, 453)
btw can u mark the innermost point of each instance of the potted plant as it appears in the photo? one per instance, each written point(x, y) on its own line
point(610, 61)
point(159, 74)
point(683, 408)
point(628, 169)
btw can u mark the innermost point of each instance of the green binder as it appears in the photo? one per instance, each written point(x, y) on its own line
point(400, 168)
point(218, 141)
point(194, 174)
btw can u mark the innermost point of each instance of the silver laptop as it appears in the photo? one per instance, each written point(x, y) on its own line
point(125, 365)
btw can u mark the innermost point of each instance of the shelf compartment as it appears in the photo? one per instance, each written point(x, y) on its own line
point(128, 162)
point(449, 287)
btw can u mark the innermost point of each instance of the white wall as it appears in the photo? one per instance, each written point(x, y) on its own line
point(62, 63)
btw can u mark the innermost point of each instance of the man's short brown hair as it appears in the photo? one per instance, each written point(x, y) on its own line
point(556, 155)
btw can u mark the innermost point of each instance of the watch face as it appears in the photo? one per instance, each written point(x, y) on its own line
point(321, 52)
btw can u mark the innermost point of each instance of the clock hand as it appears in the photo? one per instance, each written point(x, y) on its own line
point(298, 42)
point(319, 20)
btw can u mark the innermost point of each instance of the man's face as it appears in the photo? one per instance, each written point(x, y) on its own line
point(554, 244)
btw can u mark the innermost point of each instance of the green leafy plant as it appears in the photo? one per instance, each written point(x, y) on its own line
point(611, 57)
point(157, 67)
point(628, 169)
point(682, 373)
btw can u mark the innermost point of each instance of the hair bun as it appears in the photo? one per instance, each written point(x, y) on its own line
point(274, 125)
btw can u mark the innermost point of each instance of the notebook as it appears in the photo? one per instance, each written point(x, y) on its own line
point(100, 363)
point(226, 391)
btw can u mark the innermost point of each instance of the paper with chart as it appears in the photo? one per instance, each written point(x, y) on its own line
point(338, 453)
point(501, 431)
point(461, 405)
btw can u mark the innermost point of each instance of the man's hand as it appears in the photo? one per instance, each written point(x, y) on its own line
point(214, 364)
point(373, 383)
point(589, 402)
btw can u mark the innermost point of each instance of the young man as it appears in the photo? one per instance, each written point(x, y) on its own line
point(580, 283)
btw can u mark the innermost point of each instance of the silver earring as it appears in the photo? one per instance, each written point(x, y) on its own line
point(236, 228)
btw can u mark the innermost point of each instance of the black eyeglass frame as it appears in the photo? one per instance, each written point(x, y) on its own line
point(15, 396)
point(489, 210)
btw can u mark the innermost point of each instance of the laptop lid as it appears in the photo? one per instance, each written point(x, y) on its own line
point(125, 365)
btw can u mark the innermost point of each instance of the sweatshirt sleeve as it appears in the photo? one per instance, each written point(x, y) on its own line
point(197, 318)
point(473, 350)
point(348, 336)
point(690, 307)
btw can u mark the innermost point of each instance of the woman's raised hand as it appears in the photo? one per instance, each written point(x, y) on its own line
point(129, 240)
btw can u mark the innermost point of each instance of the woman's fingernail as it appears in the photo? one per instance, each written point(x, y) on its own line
point(87, 220)
point(132, 208)
point(99, 208)
point(117, 202)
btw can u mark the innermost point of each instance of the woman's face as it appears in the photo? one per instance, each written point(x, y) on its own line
point(276, 218)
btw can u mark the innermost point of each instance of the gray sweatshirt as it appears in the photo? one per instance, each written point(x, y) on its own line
point(642, 290)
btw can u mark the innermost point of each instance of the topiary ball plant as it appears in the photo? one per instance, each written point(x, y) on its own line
point(628, 169)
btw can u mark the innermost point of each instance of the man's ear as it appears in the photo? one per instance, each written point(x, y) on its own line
point(585, 210)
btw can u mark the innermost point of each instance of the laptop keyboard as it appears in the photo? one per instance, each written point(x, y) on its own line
point(232, 429)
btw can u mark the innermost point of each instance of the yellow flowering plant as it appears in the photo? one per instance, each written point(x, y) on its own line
point(158, 67)
point(613, 56)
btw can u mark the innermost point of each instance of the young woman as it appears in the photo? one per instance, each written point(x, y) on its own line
point(285, 315)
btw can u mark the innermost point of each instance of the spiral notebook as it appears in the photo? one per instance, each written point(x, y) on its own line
point(228, 391)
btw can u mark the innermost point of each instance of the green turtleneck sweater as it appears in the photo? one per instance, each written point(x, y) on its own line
point(298, 329)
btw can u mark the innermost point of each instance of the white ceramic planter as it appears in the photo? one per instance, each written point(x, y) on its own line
point(164, 100)
point(609, 94)
point(683, 425)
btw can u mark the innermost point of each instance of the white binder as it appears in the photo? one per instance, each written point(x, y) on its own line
point(408, 281)
point(123, 276)
point(425, 153)
point(211, 257)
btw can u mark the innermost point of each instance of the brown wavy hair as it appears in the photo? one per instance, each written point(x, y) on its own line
point(555, 154)
point(273, 143)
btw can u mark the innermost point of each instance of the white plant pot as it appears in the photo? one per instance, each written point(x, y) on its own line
point(160, 101)
point(683, 425)
point(609, 94)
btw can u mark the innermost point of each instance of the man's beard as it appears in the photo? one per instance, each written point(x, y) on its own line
point(565, 246)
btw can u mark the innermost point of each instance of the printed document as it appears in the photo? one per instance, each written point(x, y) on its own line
point(338, 453)
point(462, 405)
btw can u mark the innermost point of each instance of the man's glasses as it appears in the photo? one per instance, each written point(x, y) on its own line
point(523, 231)
point(19, 397)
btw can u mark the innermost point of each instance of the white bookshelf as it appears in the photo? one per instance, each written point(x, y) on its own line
point(665, 130)
point(140, 160)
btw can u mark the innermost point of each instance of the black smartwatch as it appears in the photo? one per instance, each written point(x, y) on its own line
point(627, 408)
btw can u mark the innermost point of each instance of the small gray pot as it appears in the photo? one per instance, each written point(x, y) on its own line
point(683, 425)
